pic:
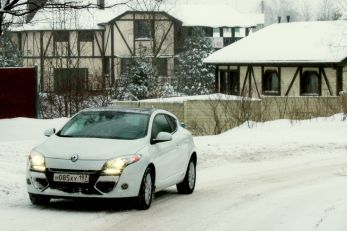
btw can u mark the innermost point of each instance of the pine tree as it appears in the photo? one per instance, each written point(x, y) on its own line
point(141, 78)
point(10, 56)
point(193, 77)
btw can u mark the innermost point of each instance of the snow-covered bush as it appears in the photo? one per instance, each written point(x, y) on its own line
point(141, 78)
point(167, 90)
point(10, 56)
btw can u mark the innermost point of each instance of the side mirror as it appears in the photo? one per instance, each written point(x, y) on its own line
point(50, 131)
point(162, 137)
point(183, 125)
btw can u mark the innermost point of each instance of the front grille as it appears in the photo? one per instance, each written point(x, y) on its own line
point(85, 188)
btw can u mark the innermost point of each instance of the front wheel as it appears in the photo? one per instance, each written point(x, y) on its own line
point(145, 196)
point(39, 199)
point(188, 184)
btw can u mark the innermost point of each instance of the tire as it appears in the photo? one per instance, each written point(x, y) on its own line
point(39, 199)
point(188, 184)
point(145, 196)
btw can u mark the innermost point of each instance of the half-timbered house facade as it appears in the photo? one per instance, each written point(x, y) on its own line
point(289, 59)
point(88, 49)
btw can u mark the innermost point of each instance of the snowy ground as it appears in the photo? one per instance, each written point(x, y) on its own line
point(276, 176)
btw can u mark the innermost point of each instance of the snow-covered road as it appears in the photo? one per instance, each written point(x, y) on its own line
point(275, 176)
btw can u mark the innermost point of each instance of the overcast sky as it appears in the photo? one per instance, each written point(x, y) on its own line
point(250, 5)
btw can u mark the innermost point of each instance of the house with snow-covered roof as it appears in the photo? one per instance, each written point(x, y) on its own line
point(289, 59)
point(89, 48)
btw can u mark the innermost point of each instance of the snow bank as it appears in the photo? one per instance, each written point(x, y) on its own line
point(20, 129)
point(275, 139)
point(182, 99)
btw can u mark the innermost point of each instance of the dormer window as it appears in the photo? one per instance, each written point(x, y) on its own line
point(143, 29)
point(61, 36)
point(85, 36)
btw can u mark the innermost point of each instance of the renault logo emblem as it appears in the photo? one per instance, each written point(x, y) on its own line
point(74, 158)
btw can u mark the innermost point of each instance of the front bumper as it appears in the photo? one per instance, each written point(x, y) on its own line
point(126, 185)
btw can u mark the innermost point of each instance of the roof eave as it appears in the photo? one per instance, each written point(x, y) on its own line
point(142, 12)
point(282, 63)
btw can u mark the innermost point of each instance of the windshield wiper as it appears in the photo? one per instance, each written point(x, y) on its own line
point(65, 135)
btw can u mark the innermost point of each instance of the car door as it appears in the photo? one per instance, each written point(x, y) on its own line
point(165, 153)
point(181, 147)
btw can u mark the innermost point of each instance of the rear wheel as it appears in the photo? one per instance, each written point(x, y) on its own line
point(145, 196)
point(39, 199)
point(188, 184)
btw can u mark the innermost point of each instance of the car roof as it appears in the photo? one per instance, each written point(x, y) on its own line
point(147, 111)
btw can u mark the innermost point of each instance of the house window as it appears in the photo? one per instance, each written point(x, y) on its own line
point(143, 29)
point(227, 33)
point(85, 36)
point(240, 32)
point(61, 36)
point(208, 31)
point(70, 80)
point(216, 32)
point(61, 43)
point(310, 83)
point(106, 66)
point(271, 83)
point(162, 66)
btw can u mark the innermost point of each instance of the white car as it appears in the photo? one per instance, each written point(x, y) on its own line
point(113, 153)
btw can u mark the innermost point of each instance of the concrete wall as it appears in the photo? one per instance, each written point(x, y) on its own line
point(205, 117)
point(344, 77)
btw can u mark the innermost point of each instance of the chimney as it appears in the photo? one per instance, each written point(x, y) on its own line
point(279, 19)
point(288, 18)
point(101, 4)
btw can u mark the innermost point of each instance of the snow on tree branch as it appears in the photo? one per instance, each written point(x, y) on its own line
point(18, 8)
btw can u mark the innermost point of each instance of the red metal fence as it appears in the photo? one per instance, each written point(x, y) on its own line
point(18, 92)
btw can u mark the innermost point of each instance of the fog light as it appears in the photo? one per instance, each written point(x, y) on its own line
point(105, 187)
point(40, 183)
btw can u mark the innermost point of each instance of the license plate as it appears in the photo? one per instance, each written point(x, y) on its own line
point(73, 178)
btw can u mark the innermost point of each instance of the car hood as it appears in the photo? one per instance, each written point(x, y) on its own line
point(89, 148)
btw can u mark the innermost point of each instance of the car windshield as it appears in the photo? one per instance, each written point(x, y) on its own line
point(107, 124)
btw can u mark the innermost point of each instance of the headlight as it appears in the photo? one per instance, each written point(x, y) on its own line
point(116, 166)
point(37, 162)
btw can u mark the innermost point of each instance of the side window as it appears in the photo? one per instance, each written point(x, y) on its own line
point(310, 84)
point(271, 83)
point(160, 124)
point(172, 122)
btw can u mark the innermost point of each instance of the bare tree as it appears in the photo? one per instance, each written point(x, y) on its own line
point(329, 10)
point(11, 10)
point(280, 8)
point(305, 9)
